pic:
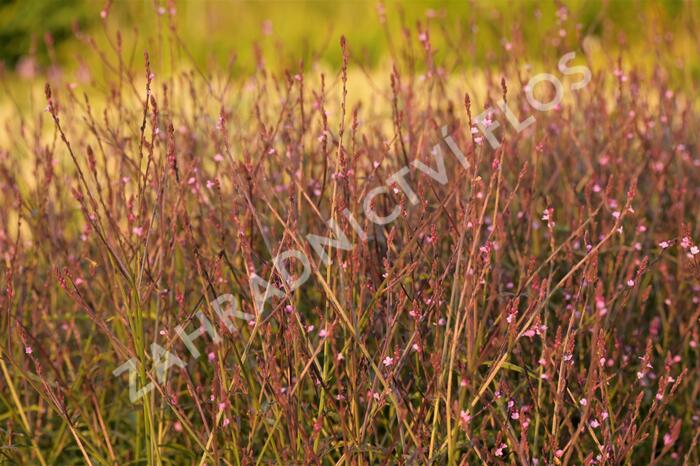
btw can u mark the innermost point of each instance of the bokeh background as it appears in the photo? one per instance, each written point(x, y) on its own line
point(214, 31)
point(68, 42)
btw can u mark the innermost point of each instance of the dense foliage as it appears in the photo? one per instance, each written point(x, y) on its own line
point(536, 302)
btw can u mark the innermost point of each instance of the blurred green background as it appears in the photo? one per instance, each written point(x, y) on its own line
point(287, 31)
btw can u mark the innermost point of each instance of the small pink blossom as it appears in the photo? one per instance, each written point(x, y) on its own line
point(685, 242)
point(547, 215)
point(668, 440)
point(499, 450)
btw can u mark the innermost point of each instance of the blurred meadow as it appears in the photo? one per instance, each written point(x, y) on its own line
point(57, 42)
point(478, 33)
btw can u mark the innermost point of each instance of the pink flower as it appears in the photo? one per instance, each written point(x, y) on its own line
point(583, 401)
point(548, 216)
point(323, 333)
point(138, 231)
point(685, 242)
point(668, 440)
point(595, 424)
point(218, 158)
point(28, 350)
point(630, 283)
point(664, 244)
point(388, 361)
point(599, 303)
point(465, 417)
point(499, 450)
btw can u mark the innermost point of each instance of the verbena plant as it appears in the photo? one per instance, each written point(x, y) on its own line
point(539, 306)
